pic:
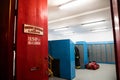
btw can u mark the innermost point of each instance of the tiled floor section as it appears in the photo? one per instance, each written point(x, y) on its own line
point(105, 72)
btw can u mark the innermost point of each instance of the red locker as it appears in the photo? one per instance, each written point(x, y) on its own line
point(32, 40)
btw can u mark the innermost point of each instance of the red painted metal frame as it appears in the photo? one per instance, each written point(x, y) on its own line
point(33, 12)
point(115, 9)
point(6, 39)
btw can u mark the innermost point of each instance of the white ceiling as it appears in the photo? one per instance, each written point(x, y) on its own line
point(73, 18)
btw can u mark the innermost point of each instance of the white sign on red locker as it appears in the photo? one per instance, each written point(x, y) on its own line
point(30, 29)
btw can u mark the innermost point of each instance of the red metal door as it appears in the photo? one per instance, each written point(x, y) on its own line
point(32, 41)
point(115, 9)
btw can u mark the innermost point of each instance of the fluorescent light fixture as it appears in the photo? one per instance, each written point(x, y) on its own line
point(69, 5)
point(73, 3)
point(67, 32)
point(99, 30)
point(93, 23)
point(59, 2)
point(61, 29)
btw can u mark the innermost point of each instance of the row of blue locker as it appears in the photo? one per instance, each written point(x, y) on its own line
point(64, 51)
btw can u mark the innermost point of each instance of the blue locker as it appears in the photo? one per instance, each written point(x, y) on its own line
point(83, 51)
point(64, 51)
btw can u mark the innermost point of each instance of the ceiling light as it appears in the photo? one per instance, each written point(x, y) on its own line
point(73, 3)
point(93, 23)
point(58, 2)
point(99, 30)
point(68, 5)
point(61, 29)
point(67, 32)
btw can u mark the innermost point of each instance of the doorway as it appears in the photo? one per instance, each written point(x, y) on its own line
point(90, 26)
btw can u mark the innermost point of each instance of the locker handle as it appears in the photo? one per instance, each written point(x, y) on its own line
point(35, 68)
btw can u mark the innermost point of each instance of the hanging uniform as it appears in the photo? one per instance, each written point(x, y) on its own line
point(77, 58)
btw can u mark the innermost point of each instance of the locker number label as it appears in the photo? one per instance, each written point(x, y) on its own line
point(33, 41)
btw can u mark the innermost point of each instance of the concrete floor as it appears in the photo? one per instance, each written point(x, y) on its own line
point(105, 72)
point(55, 78)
